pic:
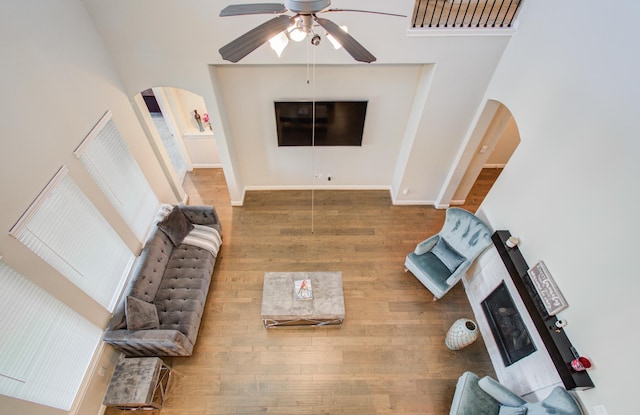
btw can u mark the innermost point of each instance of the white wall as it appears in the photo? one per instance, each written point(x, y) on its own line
point(56, 82)
point(507, 144)
point(569, 77)
point(249, 94)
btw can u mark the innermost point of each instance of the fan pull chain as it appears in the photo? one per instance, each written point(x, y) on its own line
point(308, 64)
point(313, 131)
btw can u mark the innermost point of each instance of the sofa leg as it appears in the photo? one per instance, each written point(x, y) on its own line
point(435, 298)
point(406, 269)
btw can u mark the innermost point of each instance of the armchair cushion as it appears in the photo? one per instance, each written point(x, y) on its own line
point(449, 256)
point(510, 410)
point(559, 402)
point(431, 265)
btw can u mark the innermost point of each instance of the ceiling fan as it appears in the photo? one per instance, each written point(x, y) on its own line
point(301, 24)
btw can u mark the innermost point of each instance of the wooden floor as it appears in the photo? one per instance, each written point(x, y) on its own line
point(389, 355)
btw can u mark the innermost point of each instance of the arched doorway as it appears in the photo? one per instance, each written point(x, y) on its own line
point(182, 141)
point(492, 142)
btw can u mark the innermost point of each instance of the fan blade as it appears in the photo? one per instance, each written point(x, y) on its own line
point(256, 37)
point(363, 11)
point(258, 8)
point(349, 44)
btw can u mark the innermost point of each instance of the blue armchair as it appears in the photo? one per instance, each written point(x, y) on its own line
point(486, 396)
point(441, 261)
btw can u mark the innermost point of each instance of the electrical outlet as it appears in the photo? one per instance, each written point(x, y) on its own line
point(600, 410)
point(102, 370)
point(484, 149)
point(328, 177)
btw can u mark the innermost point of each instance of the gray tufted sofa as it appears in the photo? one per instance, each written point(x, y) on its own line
point(172, 281)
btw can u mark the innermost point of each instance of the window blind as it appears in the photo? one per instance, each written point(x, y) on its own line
point(45, 346)
point(66, 230)
point(109, 162)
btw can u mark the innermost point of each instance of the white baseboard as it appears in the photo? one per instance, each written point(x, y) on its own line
point(405, 202)
point(315, 187)
point(207, 166)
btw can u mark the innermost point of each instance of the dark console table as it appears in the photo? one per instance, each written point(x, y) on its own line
point(556, 341)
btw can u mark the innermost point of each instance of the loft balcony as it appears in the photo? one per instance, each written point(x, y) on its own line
point(465, 14)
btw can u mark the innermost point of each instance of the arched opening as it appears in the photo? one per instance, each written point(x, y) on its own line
point(493, 141)
point(180, 131)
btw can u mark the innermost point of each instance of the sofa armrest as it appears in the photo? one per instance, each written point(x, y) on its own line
point(202, 215)
point(426, 245)
point(458, 273)
point(470, 399)
point(500, 393)
point(149, 342)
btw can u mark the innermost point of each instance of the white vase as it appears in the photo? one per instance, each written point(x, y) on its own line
point(462, 333)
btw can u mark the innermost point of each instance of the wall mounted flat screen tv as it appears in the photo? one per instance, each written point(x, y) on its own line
point(337, 123)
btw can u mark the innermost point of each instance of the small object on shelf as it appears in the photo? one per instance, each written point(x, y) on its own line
point(303, 289)
point(205, 118)
point(512, 242)
point(198, 120)
point(547, 289)
point(462, 333)
point(581, 363)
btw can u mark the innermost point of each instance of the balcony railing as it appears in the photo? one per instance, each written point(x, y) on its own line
point(492, 14)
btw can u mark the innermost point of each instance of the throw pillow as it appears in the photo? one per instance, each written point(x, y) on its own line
point(510, 410)
point(141, 315)
point(162, 213)
point(176, 226)
point(449, 256)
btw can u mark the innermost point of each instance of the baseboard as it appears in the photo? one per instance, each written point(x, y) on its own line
point(493, 166)
point(405, 202)
point(315, 187)
point(206, 165)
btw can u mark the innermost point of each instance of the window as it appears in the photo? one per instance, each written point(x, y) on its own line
point(109, 162)
point(45, 346)
point(65, 229)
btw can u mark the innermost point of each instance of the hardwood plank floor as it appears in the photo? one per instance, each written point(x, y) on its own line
point(389, 355)
point(480, 188)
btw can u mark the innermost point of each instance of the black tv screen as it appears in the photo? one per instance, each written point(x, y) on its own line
point(337, 123)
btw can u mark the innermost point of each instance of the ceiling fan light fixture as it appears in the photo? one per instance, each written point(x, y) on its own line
point(334, 41)
point(279, 42)
point(296, 34)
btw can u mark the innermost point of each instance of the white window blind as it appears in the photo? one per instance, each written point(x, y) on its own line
point(65, 229)
point(109, 162)
point(45, 346)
